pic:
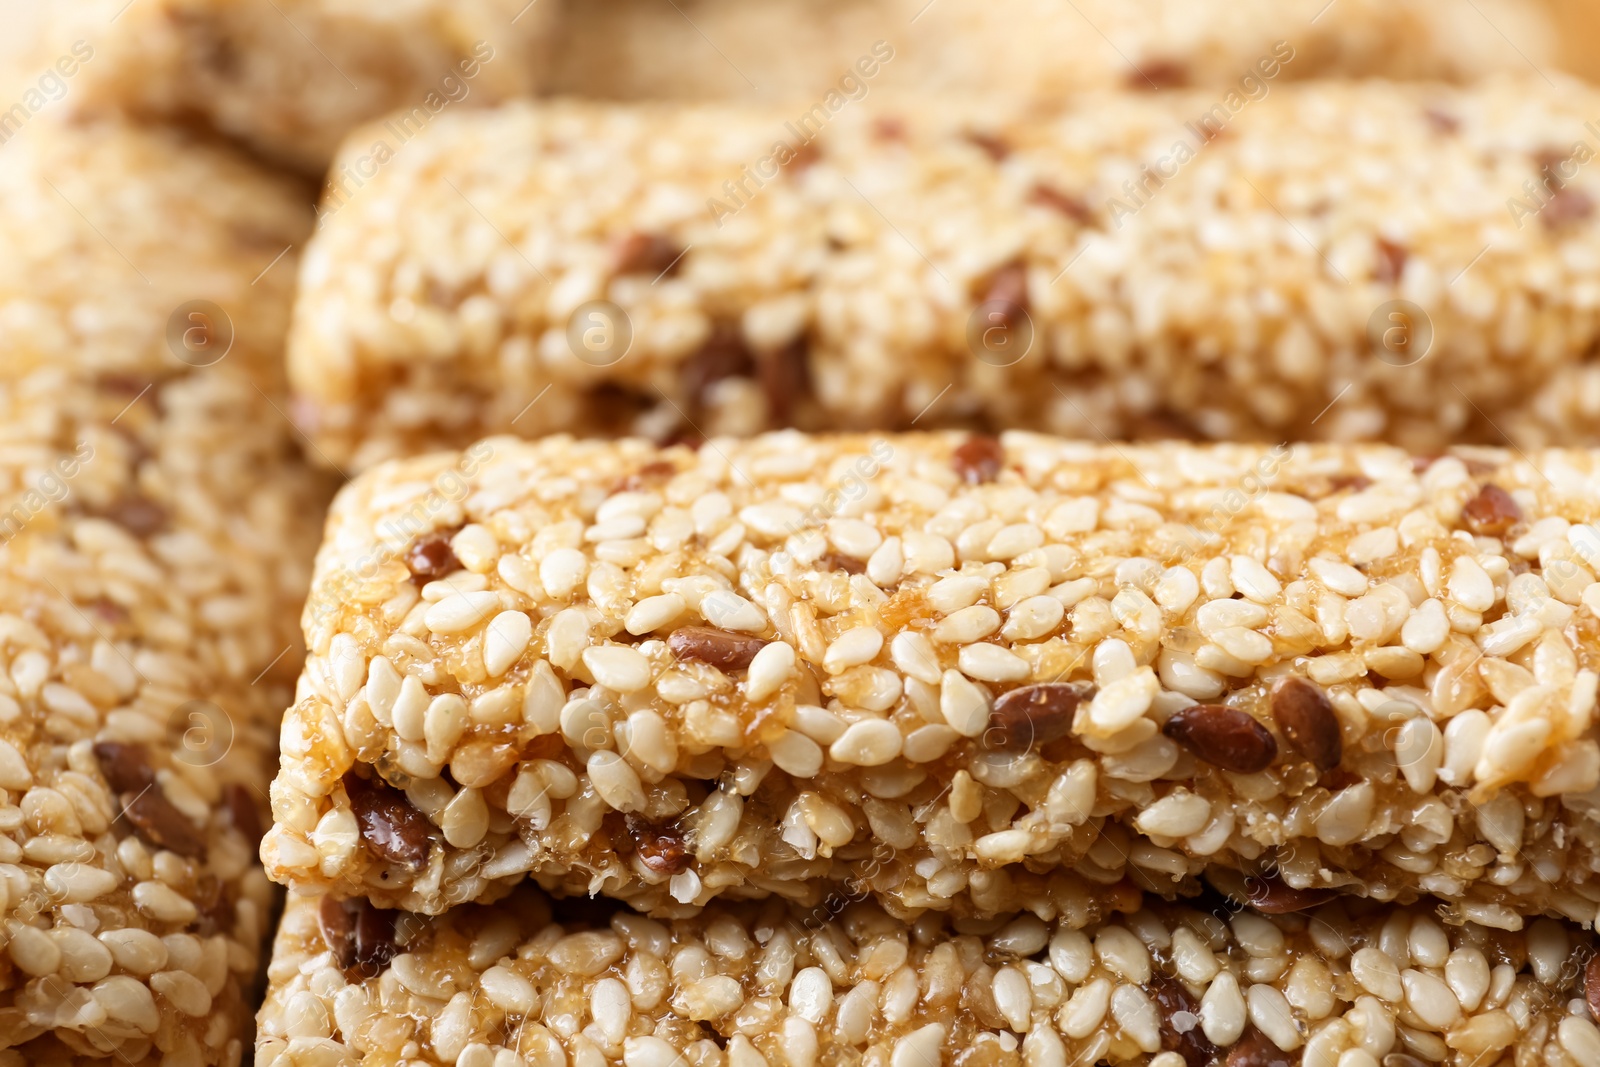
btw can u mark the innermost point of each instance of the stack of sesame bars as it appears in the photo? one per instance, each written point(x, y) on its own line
point(871, 533)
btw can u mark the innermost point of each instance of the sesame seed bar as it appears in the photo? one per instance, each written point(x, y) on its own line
point(533, 981)
point(605, 269)
point(951, 671)
point(289, 78)
point(155, 536)
point(797, 49)
point(145, 283)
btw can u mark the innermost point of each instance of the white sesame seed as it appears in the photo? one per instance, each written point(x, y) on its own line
point(1004, 846)
point(992, 663)
point(1032, 617)
point(1271, 1013)
point(14, 772)
point(913, 654)
point(75, 883)
point(728, 610)
point(852, 648)
point(1223, 1012)
point(1469, 586)
point(1134, 1012)
point(507, 990)
point(921, 1047)
point(1253, 580)
point(1431, 999)
point(771, 667)
point(795, 753)
point(1178, 814)
point(618, 667)
point(654, 612)
point(163, 903)
point(183, 991)
point(616, 782)
point(964, 705)
point(886, 564)
point(476, 548)
point(1580, 1038)
point(953, 593)
point(1340, 577)
point(1121, 703)
point(461, 611)
point(867, 743)
point(967, 625)
point(504, 641)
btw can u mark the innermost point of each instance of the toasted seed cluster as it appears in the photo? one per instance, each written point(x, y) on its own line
point(155, 535)
point(289, 78)
point(800, 51)
point(951, 672)
point(666, 271)
point(1165, 986)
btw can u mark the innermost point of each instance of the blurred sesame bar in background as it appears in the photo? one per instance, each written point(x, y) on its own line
point(774, 50)
point(1338, 261)
point(155, 534)
point(951, 673)
point(289, 78)
point(541, 982)
point(145, 284)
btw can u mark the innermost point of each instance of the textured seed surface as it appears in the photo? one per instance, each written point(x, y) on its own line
point(1122, 989)
point(390, 825)
point(1305, 715)
point(984, 701)
point(1491, 512)
point(1223, 736)
point(163, 574)
point(722, 649)
point(1035, 715)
